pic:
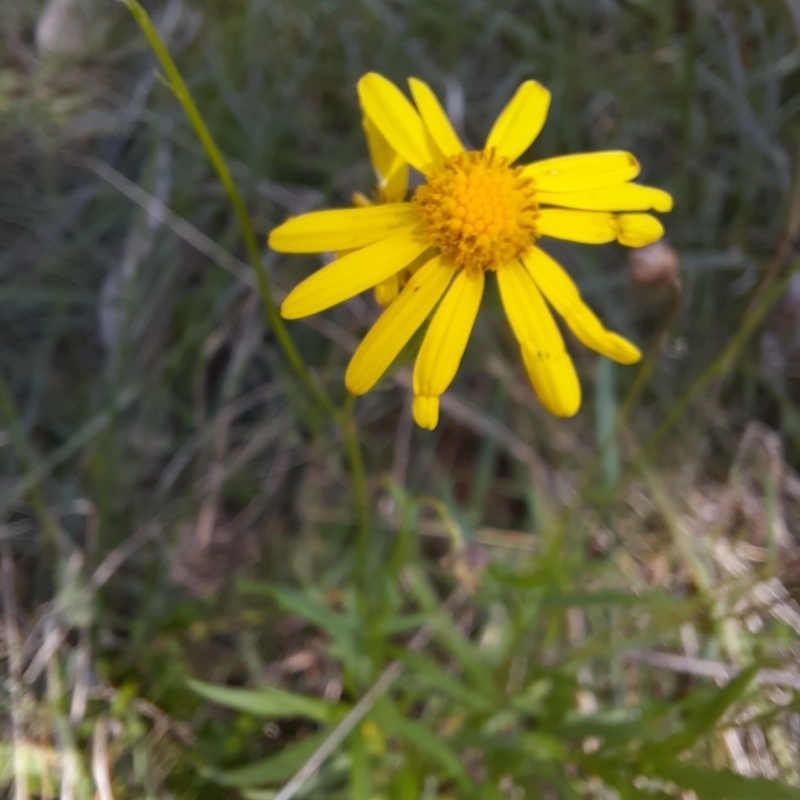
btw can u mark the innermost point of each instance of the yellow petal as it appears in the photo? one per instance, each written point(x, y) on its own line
point(396, 119)
point(395, 187)
point(547, 362)
point(558, 389)
point(401, 320)
point(447, 336)
point(381, 153)
point(426, 412)
point(562, 293)
point(391, 172)
point(386, 291)
point(623, 197)
point(434, 118)
point(587, 227)
point(638, 230)
point(342, 228)
point(352, 274)
point(583, 171)
point(520, 121)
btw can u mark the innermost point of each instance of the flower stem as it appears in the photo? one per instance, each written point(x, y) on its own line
point(353, 446)
point(344, 418)
point(182, 93)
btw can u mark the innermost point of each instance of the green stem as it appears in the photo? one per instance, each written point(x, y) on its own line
point(344, 419)
point(353, 446)
point(182, 93)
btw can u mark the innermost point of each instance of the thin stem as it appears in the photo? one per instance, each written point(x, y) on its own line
point(182, 93)
point(344, 419)
point(353, 446)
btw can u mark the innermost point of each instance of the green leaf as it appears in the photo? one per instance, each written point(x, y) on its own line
point(613, 727)
point(276, 768)
point(701, 720)
point(268, 702)
point(343, 629)
point(725, 785)
point(359, 767)
point(419, 736)
point(433, 676)
point(531, 701)
point(394, 625)
point(448, 635)
point(545, 747)
point(313, 609)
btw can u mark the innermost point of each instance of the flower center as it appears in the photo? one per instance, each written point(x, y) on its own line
point(478, 211)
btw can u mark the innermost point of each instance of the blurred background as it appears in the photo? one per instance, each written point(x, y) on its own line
point(187, 610)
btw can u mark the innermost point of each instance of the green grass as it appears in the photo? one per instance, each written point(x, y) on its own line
point(189, 606)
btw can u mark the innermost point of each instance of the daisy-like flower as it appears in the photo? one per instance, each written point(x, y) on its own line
point(475, 213)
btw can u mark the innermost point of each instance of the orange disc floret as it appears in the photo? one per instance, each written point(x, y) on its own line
point(480, 212)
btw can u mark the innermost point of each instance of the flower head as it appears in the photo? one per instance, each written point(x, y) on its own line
point(479, 212)
point(475, 213)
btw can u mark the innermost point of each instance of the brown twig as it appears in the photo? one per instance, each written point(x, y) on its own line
point(165, 216)
point(100, 768)
point(713, 669)
point(117, 557)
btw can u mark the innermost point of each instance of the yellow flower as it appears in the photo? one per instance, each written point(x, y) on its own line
point(475, 213)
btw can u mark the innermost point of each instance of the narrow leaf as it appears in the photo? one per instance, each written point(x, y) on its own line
point(276, 768)
point(419, 736)
point(431, 674)
point(702, 719)
point(311, 608)
point(613, 731)
point(267, 702)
